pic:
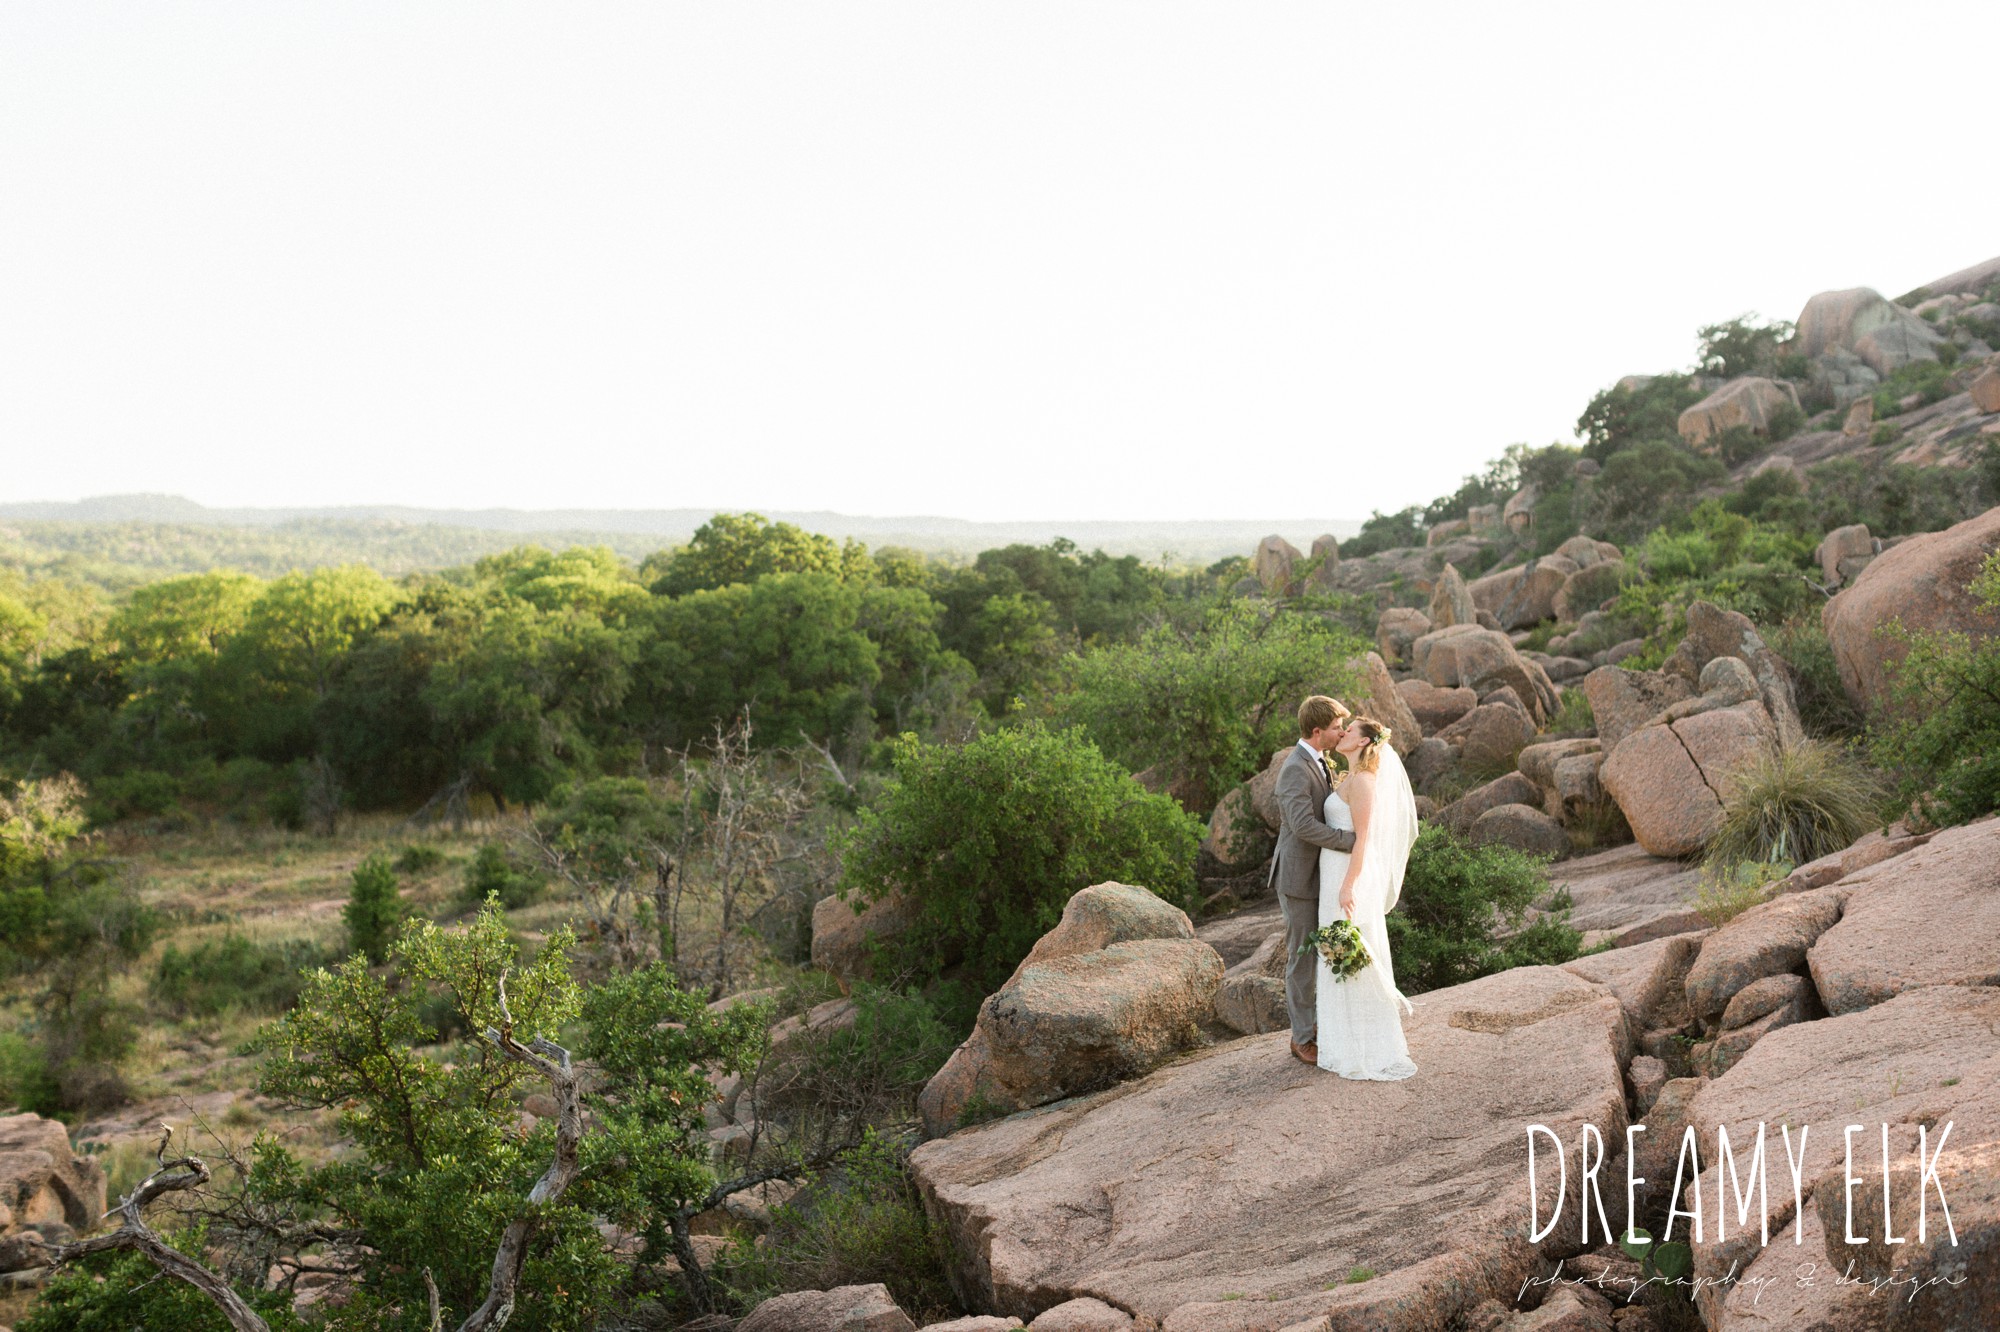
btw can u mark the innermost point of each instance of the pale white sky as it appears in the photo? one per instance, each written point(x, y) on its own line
point(1019, 260)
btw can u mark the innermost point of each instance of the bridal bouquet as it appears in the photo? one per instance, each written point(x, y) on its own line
point(1341, 945)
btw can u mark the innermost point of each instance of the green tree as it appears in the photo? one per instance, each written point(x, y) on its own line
point(73, 925)
point(1388, 531)
point(991, 839)
point(1745, 345)
point(1464, 909)
point(1212, 703)
point(1620, 417)
point(789, 648)
point(1940, 733)
point(374, 908)
point(281, 662)
point(436, 1167)
point(1652, 481)
point(192, 616)
point(583, 578)
point(743, 547)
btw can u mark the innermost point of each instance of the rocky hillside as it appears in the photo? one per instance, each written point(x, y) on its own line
point(1158, 1160)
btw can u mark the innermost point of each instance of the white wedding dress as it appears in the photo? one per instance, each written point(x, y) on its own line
point(1361, 1018)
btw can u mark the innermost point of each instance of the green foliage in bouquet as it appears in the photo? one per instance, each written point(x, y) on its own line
point(1341, 946)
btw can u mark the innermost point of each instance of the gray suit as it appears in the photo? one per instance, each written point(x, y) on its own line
point(1302, 832)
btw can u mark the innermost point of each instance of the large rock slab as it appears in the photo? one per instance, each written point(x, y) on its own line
point(844, 937)
point(1646, 978)
point(1526, 595)
point(1920, 582)
point(1081, 1315)
point(1588, 588)
point(1237, 936)
point(41, 1181)
point(1926, 1056)
point(1119, 984)
point(1252, 997)
point(1864, 322)
point(1538, 761)
point(1264, 788)
point(1928, 917)
point(1669, 780)
point(1396, 629)
point(1769, 939)
point(1490, 735)
point(1521, 826)
point(1750, 401)
point(1482, 660)
point(1451, 601)
point(1714, 632)
point(842, 1309)
point(1622, 701)
point(1436, 708)
point(1238, 840)
point(1383, 703)
point(1513, 789)
point(1870, 849)
point(1241, 1172)
point(1628, 896)
point(1275, 565)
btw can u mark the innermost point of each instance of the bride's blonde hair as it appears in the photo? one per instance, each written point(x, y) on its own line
point(1370, 757)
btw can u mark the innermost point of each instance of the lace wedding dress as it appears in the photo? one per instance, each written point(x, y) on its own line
point(1361, 1018)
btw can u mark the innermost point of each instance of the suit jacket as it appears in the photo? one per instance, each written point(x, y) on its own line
point(1302, 831)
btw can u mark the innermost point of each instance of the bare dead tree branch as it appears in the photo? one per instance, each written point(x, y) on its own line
point(173, 1176)
point(553, 1062)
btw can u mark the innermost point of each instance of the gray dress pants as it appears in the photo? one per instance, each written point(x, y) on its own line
point(1301, 968)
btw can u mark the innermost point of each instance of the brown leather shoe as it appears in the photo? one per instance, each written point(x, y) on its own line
point(1307, 1053)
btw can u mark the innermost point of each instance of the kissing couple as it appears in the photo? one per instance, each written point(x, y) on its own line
point(1342, 848)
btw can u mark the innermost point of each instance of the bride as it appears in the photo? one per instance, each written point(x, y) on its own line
point(1361, 1018)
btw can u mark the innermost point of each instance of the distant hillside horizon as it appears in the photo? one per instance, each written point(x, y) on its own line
point(1202, 540)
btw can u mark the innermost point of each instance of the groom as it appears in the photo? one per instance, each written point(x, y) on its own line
point(1303, 786)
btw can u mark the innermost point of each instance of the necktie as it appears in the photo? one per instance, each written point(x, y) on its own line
point(1326, 770)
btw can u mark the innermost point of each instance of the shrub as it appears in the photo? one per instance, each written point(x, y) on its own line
point(374, 908)
point(1209, 705)
point(1892, 498)
point(1387, 531)
point(69, 922)
point(1618, 419)
point(1464, 913)
point(494, 873)
point(1573, 716)
point(869, 1072)
point(856, 1223)
point(1742, 346)
point(1943, 739)
point(417, 858)
point(1795, 804)
point(1929, 380)
point(119, 1291)
point(1642, 485)
point(991, 839)
point(1722, 892)
point(1824, 708)
point(232, 972)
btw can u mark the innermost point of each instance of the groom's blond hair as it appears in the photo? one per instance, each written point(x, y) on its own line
point(1319, 712)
